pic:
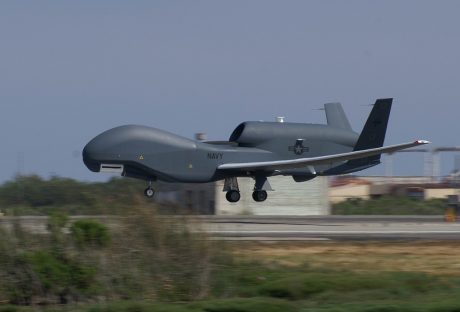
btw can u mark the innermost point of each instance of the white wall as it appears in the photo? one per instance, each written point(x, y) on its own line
point(289, 198)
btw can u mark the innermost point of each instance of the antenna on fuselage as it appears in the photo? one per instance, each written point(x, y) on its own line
point(201, 136)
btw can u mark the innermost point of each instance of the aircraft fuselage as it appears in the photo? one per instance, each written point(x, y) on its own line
point(153, 154)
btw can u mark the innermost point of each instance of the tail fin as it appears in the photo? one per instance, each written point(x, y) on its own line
point(336, 116)
point(373, 134)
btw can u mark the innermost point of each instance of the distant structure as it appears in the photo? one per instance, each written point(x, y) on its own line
point(431, 185)
point(436, 159)
point(432, 161)
point(291, 198)
point(421, 188)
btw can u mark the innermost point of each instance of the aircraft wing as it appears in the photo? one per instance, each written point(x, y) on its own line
point(314, 161)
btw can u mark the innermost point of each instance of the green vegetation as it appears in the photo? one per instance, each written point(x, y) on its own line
point(390, 206)
point(145, 258)
point(32, 195)
point(254, 288)
point(89, 232)
point(157, 264)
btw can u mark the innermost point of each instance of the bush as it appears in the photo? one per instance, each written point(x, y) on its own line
point(61, 277)
point(90, 233)
point(18, 282)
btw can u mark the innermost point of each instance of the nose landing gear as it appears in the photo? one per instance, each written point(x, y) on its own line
point(149, 191)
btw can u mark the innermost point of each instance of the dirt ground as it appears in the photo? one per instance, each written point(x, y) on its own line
point(440, 258)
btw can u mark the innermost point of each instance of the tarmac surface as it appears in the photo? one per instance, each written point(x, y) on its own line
point(332, 228)
point(283, 228)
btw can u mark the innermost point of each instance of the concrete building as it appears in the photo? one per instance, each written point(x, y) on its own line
point(442, 192)
point(349, 187)
point(289, 198)
point(352, 188)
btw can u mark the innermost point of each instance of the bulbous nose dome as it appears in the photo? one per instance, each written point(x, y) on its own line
point(123, 144)
point(108, 146)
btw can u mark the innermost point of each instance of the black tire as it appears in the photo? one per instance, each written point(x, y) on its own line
point(259, 196)
point(149, 192)
point(233, 196)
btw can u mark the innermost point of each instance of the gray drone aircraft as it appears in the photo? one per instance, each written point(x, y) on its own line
point(255, 149)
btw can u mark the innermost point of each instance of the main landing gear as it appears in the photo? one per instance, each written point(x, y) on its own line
point(260, 189)
point(232, 189)
point(233, 196)
point(259, 196)
point(149, 191)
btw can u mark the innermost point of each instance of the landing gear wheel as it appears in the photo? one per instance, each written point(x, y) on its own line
point(149, 192)
point(259, 196)
point(233, 196)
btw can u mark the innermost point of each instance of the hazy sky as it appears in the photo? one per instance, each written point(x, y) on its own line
point(72, 69)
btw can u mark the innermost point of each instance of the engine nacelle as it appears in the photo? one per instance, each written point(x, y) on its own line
point(303, 178)
point(259, 133)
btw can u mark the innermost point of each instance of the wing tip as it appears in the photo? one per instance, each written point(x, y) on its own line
point(422, 142)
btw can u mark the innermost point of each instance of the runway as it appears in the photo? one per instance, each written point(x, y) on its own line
point(331, 228)
point(289, 228)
